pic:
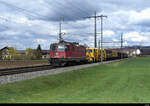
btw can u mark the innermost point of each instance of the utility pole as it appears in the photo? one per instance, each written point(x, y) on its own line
point(60, 28)
point(121, 40)
point(99, 47)
point(99, 44)
point(102, 16)
point(95, 29)
point(121, 43)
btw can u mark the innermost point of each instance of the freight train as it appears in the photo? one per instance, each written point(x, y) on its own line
point(64, 53)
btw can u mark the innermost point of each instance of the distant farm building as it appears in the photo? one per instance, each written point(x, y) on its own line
point(45, 54)
point(5, 53)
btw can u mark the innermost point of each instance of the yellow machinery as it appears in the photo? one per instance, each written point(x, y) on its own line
point(98, 58)
point(91, 54)
point(94, 54)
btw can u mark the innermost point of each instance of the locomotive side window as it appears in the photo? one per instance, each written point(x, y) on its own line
point(78, 49)
point(53, 48)
point(69, 48)
point(73, 48)
point(83, 49)
point(62, 48)
point(66, 48)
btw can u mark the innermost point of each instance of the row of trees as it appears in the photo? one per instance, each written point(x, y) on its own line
point(29, 54)
point(34, 54)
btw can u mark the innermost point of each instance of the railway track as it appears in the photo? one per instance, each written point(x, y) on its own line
point(25, 73)
point(11, 71)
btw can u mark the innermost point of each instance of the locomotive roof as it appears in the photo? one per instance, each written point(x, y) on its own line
point(67, 43)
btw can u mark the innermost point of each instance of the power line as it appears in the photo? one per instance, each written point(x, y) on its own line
point(95, 29)
point(62, 15)
point(68, 2)
point(66, 12)
point(4, 26)
point(95, 37)
point(31, 13)
point(72, 9)
point(7, 4)
point(8, 20)
point(23, 10)
point(48, 6)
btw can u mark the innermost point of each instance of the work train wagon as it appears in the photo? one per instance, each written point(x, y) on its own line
point(94, 54)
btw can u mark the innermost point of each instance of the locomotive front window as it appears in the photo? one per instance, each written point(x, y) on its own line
point(62, 48)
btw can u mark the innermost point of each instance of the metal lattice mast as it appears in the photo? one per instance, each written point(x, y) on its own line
point(95, 29)
point(102, 16)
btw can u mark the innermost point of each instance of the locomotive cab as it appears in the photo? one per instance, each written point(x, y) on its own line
point(57, 54)
point(58, 51)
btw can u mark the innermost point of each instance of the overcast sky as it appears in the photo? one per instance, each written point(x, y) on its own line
point(27, 23)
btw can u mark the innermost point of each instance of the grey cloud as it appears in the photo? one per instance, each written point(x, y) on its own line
point(44, 13)
point(71, 10)
point(144, 23)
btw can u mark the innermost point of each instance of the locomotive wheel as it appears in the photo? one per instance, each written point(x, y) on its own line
point(62, 64)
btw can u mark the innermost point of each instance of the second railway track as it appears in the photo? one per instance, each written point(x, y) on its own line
point(10, 71)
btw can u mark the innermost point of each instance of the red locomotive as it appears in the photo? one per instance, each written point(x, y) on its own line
point(64, 52)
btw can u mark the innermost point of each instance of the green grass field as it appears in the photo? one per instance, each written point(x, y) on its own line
point(121, 82)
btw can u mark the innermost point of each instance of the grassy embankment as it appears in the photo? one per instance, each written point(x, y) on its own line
point(120, 82)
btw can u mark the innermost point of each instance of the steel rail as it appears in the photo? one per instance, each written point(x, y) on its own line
point(11, 71)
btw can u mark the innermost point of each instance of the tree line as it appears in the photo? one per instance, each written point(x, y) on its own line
point(29, 54)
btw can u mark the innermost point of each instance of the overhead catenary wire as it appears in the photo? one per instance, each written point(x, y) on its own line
point(77, 7)
point(70, 8)
point(78, 17)
point(34, 14)
point(22, 9)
